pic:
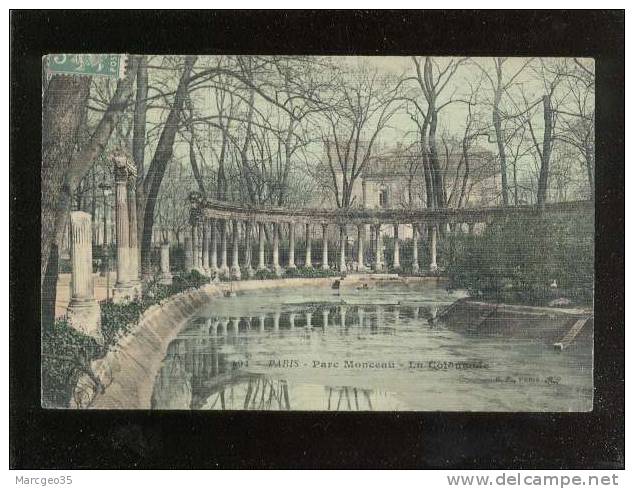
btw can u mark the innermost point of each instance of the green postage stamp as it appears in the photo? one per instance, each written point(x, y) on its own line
point(109, 65)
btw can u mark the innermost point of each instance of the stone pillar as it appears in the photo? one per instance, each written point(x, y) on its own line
point(135, 274)
point(124, 289)
point(324, 314)
point(261, 261)
point(324, 248)
point(360, 232)
point(361, 316)
point(291, 245)
point(276, 321)
point(364, 194)
point(247, 250)
point(378, 261)
point(291, 320)
point(235, 326)
point(83, 311)
point(189, 260)
point(276, 250)
point(309, 242)
point(343, 310)
point(415, 267)
point(261, 320)
point(198, 254)
point(213, 249)
point(166, 276)
point(342, 250)
point(224, 266)
point(205, 247)
point(235, 263)
point(396, 261)
point(433, 266)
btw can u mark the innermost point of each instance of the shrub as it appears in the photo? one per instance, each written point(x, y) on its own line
point(66, 354)
point(265, 275)
point(516, 260)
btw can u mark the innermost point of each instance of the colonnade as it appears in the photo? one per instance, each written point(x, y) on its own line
point(207, 247)
point(128, 283)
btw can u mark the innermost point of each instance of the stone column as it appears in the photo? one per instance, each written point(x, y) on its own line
point(308, 260)
point(276, 250)
point(124, 289)
point(135, 275)
point(83, 311)
point(224, 266)
point(166, 276)
point(247, 251)
point(361, 316)
point(343, 310)
point(396, 261)
point(415, 267)
point(342, 250)
point(199, 247)
point(291, 245)
point(378, 262)
point(324, 314)
point(324, 248)
point(235, 263)
point(360, 232)
point(432, 248)
point(205, 247)
point(364, 194)
point(189, 260)
point(213, 250)
point(261, 261)
point(261, 320)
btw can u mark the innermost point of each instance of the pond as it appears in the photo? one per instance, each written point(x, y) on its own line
point(381, 348)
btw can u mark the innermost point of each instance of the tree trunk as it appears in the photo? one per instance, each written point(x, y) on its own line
point(162, 155)
point(138, 137)
point(439, 191)
point(62, 107)
point(62, 168)
point(589, 154)
point(499, 137)
point(542, 185)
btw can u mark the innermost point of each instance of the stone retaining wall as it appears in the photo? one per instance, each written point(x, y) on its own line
point(518, 321)
point(129, 369)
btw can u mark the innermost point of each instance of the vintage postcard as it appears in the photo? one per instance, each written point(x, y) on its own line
point(317, 233)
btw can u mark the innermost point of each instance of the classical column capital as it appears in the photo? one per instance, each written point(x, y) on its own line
point(123, 164)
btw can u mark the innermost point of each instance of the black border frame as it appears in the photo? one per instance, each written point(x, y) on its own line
point(42, 438)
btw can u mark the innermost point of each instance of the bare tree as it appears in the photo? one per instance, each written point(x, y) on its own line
point(359, 107)
point(500, 87)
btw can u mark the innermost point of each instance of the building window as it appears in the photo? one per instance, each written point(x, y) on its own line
point(383, 198)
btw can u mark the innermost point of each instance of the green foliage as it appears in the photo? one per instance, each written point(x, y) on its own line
point(66, 354)
point(265, 275)
point(517, 260)
point(117, 319)
point(64, 266)
point(302, 272)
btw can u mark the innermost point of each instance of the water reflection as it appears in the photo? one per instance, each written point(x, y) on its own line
point(273, 352)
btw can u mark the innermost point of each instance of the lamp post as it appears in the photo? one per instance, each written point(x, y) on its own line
point(106, 191)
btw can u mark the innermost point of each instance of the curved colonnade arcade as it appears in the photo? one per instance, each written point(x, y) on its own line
point(213, 222)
